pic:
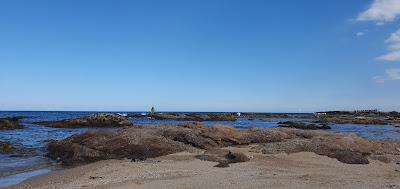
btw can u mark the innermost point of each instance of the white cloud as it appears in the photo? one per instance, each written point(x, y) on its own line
point(381, 11)
point(391, 75)
point(359, 34)
point(379, 79)
point(390, 56)
point(394, 37)
point(393, 53)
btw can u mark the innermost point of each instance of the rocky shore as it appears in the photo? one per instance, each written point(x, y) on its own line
point(96, 120)
point(371, 117)
point(189, 117)
point(10, 123)
point(142, 142)
point(192, 155)
point(368, 117)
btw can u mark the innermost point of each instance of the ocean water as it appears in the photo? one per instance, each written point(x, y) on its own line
point(34, 138)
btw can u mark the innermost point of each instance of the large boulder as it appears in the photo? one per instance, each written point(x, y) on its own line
point(134, 143)
point(96, 120)
point(347, 148)
point(10, 123)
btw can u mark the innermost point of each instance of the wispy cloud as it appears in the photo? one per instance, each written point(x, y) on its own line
point(391, 75)
point(359, 34)
point(381, 11)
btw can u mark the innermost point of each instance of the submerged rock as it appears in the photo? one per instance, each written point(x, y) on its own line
point(10, 123)
point(6, 147)
point(97, 120)
point(304, 126)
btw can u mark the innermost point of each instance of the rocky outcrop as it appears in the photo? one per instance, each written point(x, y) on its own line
point(97, 120)
point(371, 117)
point(10, 123)
point(6, 147)
point(347, 148)
point(189, 117)
point(148, 141)
point(356, 120)
point(290, 124)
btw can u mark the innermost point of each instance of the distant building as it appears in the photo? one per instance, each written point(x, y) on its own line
point(366, 111)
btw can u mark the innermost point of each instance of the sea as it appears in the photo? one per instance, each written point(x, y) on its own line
point(34, 138)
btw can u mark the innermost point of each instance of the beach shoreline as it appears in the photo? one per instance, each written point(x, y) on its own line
point(183, 170)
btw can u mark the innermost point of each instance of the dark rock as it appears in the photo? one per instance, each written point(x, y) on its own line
point(97, 120)
point(223, 157)
point(10, 123)
point(236, 157)
point(6, 147)
point(304, 126)
point(95, 177)
point(222, 165)
point(349, 157)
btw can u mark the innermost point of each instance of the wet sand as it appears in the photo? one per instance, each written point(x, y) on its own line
point(181, 170)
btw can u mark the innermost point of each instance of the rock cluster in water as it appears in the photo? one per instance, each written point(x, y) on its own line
point(10, 123)
point(277, 115)
point(371, 117)
point(97, 120)
point(189, 117)
point(141, 142)
point(305, 126)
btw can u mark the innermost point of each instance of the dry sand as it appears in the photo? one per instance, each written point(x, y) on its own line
point(181, 170)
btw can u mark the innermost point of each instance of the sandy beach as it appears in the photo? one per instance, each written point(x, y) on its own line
point(183, 170)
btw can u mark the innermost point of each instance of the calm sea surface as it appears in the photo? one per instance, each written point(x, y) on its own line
point(34, 138)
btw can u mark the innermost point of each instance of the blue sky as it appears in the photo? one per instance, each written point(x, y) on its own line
point(208, 55)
